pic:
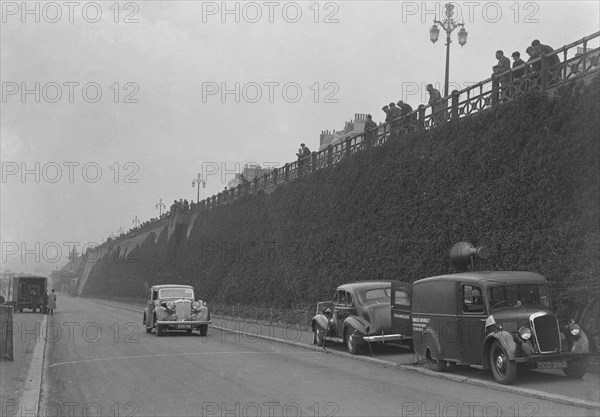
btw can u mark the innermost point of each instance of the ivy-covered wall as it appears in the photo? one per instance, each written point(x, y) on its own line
point(523, 180)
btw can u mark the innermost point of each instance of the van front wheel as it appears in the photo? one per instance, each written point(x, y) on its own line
point(503, 369)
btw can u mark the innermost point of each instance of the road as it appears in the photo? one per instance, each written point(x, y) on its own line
point(99, 361)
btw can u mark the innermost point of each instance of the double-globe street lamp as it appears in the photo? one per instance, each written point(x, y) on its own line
point(448, 24)
point(197, 182)
point(160, 205)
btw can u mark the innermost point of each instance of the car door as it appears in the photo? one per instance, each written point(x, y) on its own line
point(471, 324)
point(150, 307)
point(341, 311)
point(401, 309)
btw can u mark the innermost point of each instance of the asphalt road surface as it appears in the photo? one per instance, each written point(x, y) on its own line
point(101, 362)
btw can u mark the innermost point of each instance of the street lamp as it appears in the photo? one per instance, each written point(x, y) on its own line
point(160, 205)
point(449, 24)
point(136, 221)
point(198, 181)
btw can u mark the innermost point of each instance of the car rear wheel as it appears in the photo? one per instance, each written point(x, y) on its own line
point(159, 330)
point(203, 329)
point(351, 345)
point(577, 368)
point(503, 369)
point(148, 329)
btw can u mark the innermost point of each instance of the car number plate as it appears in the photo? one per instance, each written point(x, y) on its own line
point(184, 326)
point(552, 364)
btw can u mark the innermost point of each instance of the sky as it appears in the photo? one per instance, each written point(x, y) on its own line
point(108, 107)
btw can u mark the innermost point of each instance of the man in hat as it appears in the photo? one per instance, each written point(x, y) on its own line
point(370, 130)
point(437, 106)
point(395, 120)
point(517, 62)
point(549, 58)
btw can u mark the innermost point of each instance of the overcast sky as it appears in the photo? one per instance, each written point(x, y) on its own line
point(131, 106)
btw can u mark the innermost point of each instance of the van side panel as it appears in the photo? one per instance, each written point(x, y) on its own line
point(434, 314)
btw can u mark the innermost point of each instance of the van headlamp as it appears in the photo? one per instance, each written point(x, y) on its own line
point(525, 333)
point(574, 329)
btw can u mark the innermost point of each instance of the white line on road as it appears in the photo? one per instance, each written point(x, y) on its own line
point(166, 355)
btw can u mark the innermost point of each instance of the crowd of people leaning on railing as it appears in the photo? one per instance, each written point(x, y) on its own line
point(510, 81)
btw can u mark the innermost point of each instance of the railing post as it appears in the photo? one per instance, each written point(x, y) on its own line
point(286, 172)
point(274, 177)
point(495, 90)
point(348, 144)
point(544, 75)
point(313, 161)
point(421, 121)
point(454, 113)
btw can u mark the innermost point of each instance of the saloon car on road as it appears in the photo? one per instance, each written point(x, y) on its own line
point(174, 307)
point(365, 312)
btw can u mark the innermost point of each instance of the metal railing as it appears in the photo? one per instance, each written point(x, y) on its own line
point(538, 75)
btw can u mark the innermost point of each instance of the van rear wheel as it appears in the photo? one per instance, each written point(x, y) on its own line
point(503, 369)
point(436, 365)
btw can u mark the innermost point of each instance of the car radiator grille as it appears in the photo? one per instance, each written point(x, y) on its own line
point(547, 334)
point(183, 309)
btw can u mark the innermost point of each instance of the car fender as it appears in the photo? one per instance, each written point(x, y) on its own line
point(320, 322)
point(507, 341)
point(356, 324)
point(161, 313)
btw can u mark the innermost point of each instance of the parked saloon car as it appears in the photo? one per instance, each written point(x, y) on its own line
point(364, 312)
point(174, 307)
point(494, 320)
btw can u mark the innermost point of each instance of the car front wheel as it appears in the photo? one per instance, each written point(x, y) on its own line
point(159, 330)
point(203, 329)
point(577, 368)
point(503, 369)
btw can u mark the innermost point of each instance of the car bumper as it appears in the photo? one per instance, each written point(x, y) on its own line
point(385, 337)
point(180, 324)
point(563, 356)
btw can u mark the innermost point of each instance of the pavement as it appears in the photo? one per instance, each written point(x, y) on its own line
point(20, 379)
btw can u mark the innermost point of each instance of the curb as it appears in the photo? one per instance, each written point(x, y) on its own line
point(388, 364)
point(33, 385)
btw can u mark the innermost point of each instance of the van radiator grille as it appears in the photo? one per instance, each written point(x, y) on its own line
point(546, 331)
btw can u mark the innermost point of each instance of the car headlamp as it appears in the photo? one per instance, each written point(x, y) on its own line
point(195, 305)
point(174, 316)
point(525, 333)
point(574, 329)
point(170, 305)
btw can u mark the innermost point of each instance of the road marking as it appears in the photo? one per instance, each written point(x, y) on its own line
point(167, 355)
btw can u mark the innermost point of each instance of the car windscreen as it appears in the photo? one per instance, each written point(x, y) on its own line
point(176, 293)
point(528, 295)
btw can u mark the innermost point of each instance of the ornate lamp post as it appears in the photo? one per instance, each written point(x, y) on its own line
point(197, 182)
point(136, 221)
point(160, 205)
point(449, 24)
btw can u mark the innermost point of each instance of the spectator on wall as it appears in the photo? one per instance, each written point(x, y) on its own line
point(394, 113)
point(370, 130)
point(550, 59)
point(437, 106)
point(517, 62)
point(502, 66)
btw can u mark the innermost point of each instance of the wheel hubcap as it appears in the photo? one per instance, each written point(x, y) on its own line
point(500, 363)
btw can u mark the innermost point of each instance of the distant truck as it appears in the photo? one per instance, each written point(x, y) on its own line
point(26, 292)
